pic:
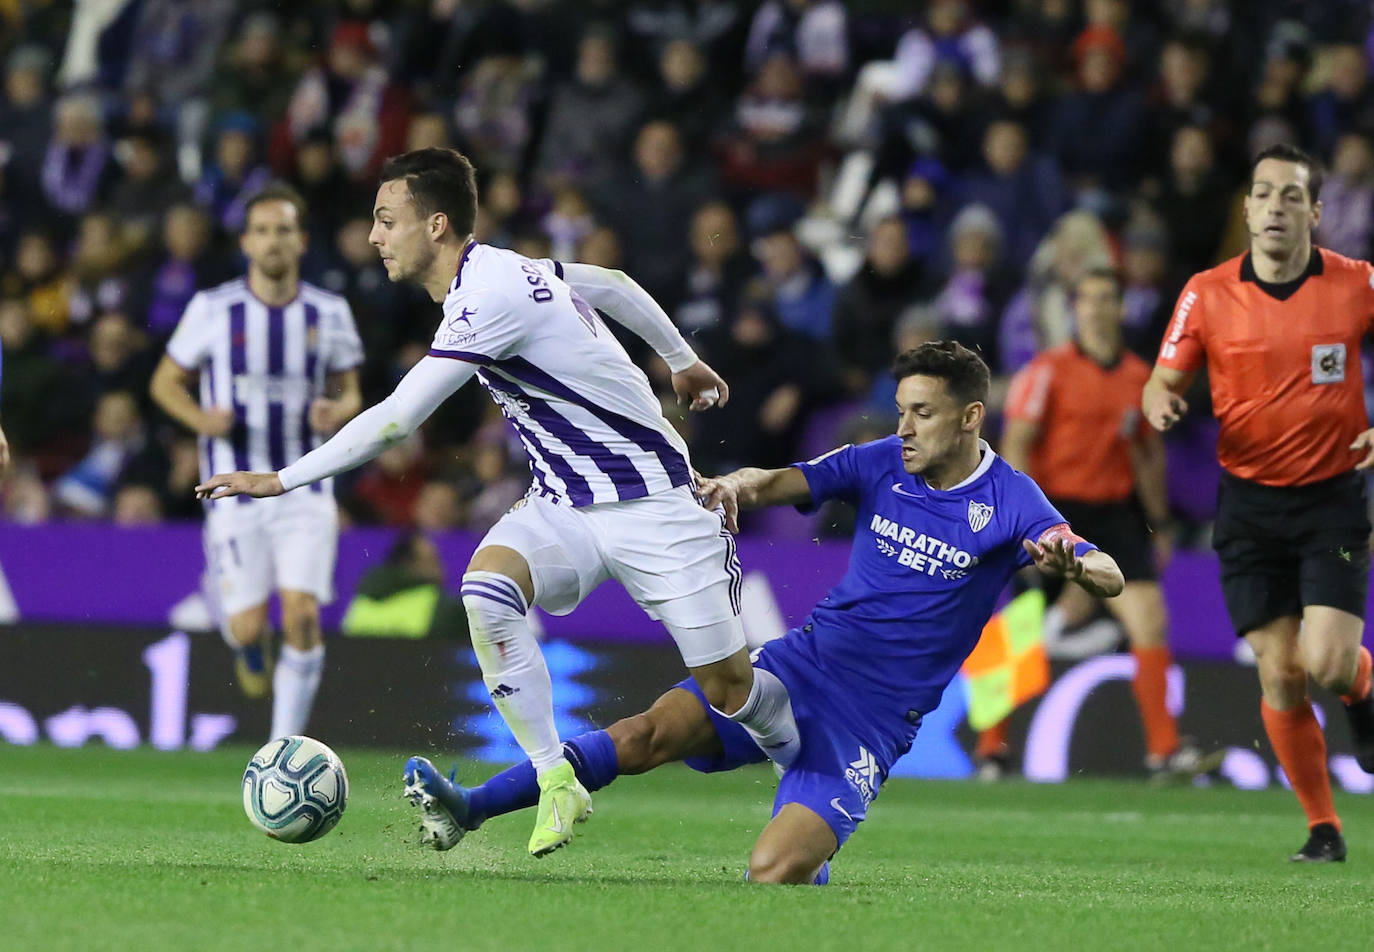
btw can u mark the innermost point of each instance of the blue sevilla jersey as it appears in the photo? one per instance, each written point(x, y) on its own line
point(925, 572)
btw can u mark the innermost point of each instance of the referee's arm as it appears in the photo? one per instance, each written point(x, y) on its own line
point(1162, 401)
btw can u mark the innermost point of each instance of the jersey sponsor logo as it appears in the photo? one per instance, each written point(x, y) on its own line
point(511, 406)
point(464, 316)
point(897, 488)
point(979, 515)
point(248, 387)
point(1328, 363)
point(863, 776)
point(1179, 322)
point(918, 551)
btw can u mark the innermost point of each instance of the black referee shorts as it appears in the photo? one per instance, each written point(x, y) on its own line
point(1286, 547)
point(1117, 528)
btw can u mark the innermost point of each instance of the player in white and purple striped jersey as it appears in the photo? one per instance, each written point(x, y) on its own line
point(277, 360)
point(612, 494)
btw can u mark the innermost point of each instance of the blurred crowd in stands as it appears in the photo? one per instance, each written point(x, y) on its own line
point(807, 186)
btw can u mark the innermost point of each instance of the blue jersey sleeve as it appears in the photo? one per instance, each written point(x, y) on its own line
point(1034, 515)
point(832, 475)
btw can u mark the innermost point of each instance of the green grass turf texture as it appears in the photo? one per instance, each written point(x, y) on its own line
point(105, 849)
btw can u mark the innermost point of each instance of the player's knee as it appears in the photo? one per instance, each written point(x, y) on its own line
point(768, 864)
point(492, 601)
point(1335, 666)
point(246, 628)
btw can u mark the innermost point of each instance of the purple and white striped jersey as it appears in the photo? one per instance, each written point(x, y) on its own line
point(588, 418)
point(266, 364)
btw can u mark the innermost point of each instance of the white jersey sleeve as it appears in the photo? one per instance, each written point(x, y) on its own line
point(428, 384)
point(620, 297)
point(343, 346)
point(193, 339)
point(479, 325)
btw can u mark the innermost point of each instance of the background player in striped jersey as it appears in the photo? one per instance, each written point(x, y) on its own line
point(612, 494)
point(277, 360)
point(943, 523)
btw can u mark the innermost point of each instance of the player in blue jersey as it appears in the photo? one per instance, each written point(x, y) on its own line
point(943, 523)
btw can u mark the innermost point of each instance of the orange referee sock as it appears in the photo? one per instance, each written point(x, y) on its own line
point(992, 741)
point(1360, 689)
point(1150, 687)
point(1300, 745)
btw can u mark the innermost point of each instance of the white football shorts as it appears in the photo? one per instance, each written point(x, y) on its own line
point(674, 558)
point(282, 542)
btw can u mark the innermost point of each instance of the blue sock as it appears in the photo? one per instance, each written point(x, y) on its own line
point(252, 657)
point(592, 756)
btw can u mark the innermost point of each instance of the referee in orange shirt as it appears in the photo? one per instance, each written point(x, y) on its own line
point(1073, 424)
point(1279, 329)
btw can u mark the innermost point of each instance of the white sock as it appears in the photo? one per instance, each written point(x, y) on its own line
point(512, 665)
point(294, 684)
point(767, 716)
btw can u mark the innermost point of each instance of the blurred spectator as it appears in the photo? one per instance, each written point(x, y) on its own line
point(1287, 56)
point(428, 130)
point(1098, 129)
point(25, 115)
point(1184, 65)
point(37, 278)
point(569, 221)
point(253, 75)
point(1347, 222)
point(136, 505)
point(951, 35)
point(717, 271)
point(76, 165)
point(689, 97)
point(655, 245)
point(943, 122)
point(326, 188)
point(1040, 314)
point(119, 359)
point(99, 284)
point(591, 118)
point(1346, 102)
point(493, 111)
point(31, 383)
point(436, 507)
point(235, 173)
point(970, 303)
point(146, 188)
point(714, 25)
point(1022, 188)
point(436, 40)
point(813, 32)
point(349, 94)
point(26, 499)
point(1149, 287)
point(186, 266)
point(501, 212)
point(866, 309)
point(803, 295)
point(404, 596)
point(766, 365)
point(601, 247)
point(498, 479)
point(389, 486)
point(773, 141)
point(1140, 41)
point(174, 46)
point(926, 197)
point(1195, 200)
point(1020, 96)
point(87, 489)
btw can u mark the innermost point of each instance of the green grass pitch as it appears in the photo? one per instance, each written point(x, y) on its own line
point(142, 850)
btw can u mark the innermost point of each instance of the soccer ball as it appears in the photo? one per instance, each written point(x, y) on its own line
point(295, 789)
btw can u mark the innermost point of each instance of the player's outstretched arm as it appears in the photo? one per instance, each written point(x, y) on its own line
point(619, 297)
point(429, 383)
point(1095, 570)
point(1162, 400)
point(753, 488)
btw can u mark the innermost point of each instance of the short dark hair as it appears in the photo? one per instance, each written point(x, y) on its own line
point(1104, 272)
point(1285, 152)
point(439, 180)
point(963, 371)
point(275, 192)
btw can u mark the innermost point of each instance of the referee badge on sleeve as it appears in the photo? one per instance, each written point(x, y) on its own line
point(1328, 363)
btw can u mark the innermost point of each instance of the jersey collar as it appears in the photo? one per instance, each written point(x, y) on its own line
point(983, 466)
point(1282, 291)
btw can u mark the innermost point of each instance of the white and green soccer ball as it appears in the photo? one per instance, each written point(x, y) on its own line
point(295, 789)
